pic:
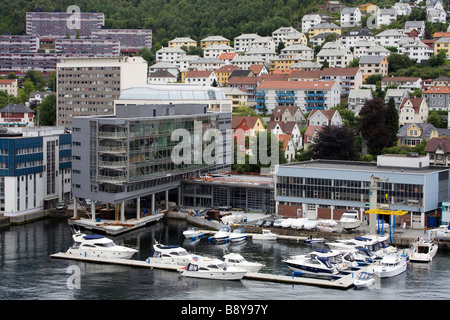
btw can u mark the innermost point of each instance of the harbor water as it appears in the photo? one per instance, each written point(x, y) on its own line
point(29, 273)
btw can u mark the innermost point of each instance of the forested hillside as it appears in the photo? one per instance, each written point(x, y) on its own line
point(176, 18)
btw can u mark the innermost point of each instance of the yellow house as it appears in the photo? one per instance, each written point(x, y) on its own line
point(296, 38)
point(442, 44)
point(412, 134)
point(182, 42)
point(209, 41)
point(284, 63)
point(324, 28)
point(223, 73)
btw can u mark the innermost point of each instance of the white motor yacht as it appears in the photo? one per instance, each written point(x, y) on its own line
point(210, 268)
point(265, 235)
point(170, 255)
point(237, 260)
point(223, 235)
point(193, 233)
point(422, 250)
point(238, 235)
point(391, 265)
point(350, 220)
point(87, 245)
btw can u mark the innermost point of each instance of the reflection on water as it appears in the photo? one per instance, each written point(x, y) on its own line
point(28, 272)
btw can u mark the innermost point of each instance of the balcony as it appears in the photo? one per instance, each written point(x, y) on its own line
point(112, 150)
point(112, 164)
point(112, 135)
point(315, 101)
point(112, 179)
point(311, 94)
point(286, 100)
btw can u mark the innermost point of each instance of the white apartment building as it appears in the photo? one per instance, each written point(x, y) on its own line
point(419, 26)
point(386, 16)
point(402, 8)
point(308, 95)
point(264, 42)
point(245, 62)
point(242, 43)
point(350, 17)
point(263, 53)
point(352, 37)
point(415, 49)
point(9, 86)
point(306, 52)
point(281, 33)
point(339, 57)
point(203, 78)
point(360, 48)
point(390, 37)
point(310, 20)
point(168, 54)
point(215, 50)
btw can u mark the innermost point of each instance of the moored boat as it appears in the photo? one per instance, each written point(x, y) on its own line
point(92, 245)
point(265, 235)
point(237, 260)
point(364, 280)
point(223, 235)
point(169, 254)
point(391, 265)
point(422, 250)
point(193, 233)
point(211, 268)
point(238, 235)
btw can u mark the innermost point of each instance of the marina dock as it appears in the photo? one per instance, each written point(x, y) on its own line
point(343, 282)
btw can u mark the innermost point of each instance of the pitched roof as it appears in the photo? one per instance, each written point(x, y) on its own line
point(327, 113)
point(7, 81)
point(237, 120)
point(339, 71)
point(416, 102)
point(279, 110)
point(435, 143)
point(198, 74)
point(16, 108)
point(438, 89)
point(284, 138)
point(227, 68)
point(256, 68)
point(425, 128)
point(399, 79)
point(285, 126)
point(227, 56)
point(371, 59)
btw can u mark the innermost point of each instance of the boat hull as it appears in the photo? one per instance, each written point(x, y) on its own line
point(308, 269)
point(383, 272)
point(94, 253)
point(215, 275)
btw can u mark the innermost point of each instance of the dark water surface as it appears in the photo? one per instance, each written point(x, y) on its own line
point(28, 273)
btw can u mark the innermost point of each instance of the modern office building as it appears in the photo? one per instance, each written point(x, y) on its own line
point(175, 93)
point(248, 193)
point(122, 159)
point(35, 169)
point(89, 86)
point(57, 25)
point(325, 189)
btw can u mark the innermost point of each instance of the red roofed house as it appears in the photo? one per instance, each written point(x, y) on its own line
point(438, 151)
point(227, 56)
point(205, 78)
point(244, 126)
point(287, 146)
point(413, 110)
point(258, 69)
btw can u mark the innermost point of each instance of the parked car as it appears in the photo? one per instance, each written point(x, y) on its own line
point(268, 224)
point(260, 223)
point(61, 206)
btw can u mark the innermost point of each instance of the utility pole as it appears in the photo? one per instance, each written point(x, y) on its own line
point(373, 202)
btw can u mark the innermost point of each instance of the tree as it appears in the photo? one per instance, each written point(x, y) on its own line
point(372, 125)
point(334, 143)
point(392, 121)
point(399, 61)
point(47, 111)
point(438, 59)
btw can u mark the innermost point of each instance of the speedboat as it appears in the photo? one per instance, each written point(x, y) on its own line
point(223, 235)
point(442, 233)
point(238, 235)
point(317, 265)
point(193, 233)
point(349, 220)
point(422, 250)
point(211, 268)
point(377, 244)
point(170, 255)
point(311, 240)
point(364, 280)
point(361, 255)
point(265, 235)
point(92, 245)
point(236, 260)
point(391, 265)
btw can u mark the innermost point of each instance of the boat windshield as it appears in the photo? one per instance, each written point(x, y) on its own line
point(364, 276)
point(105, 245)
point(324, 261)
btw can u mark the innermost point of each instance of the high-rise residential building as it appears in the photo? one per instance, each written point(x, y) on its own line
point(57, 25)
point(87, 47)
point(89, 86)
point(19, 44)
point(133, 155)
point(35, 169)
point(131, 40)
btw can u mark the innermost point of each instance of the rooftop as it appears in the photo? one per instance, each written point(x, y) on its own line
point(174, 91)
